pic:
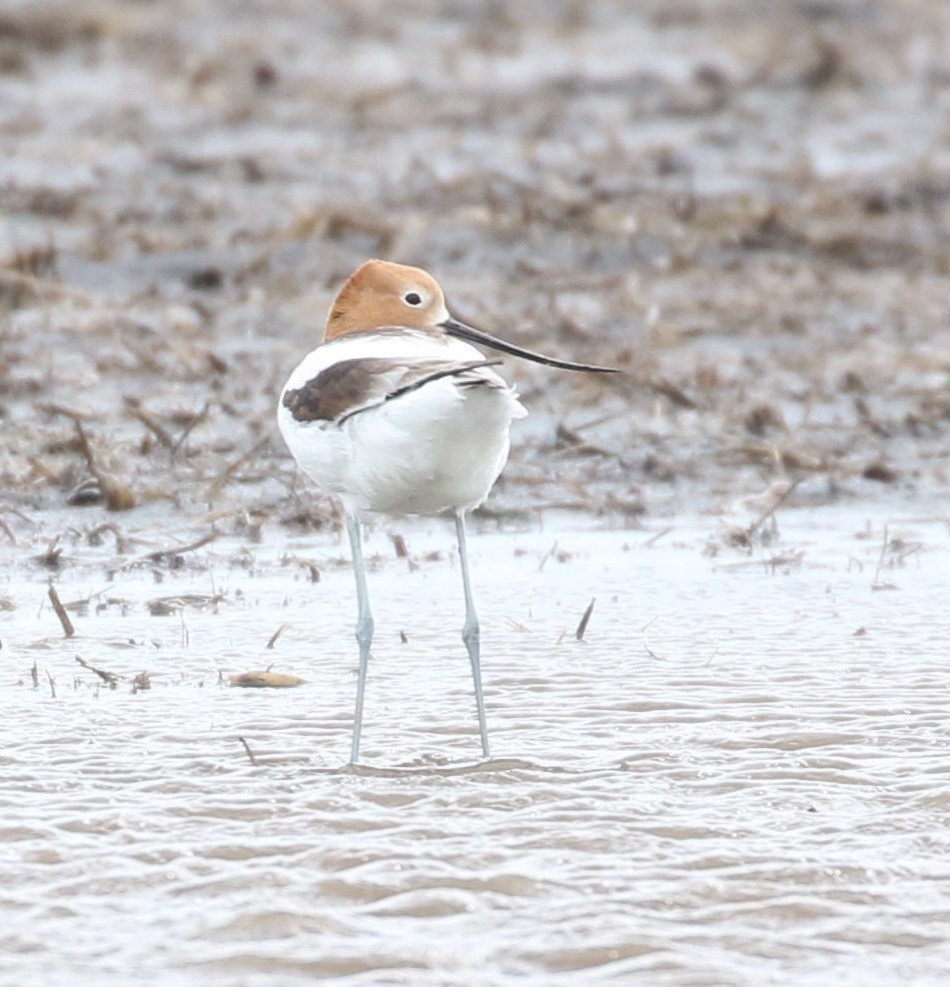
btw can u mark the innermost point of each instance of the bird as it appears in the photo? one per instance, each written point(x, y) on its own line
point(398, 412)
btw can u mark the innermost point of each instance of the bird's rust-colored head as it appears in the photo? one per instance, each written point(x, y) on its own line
point(380, 294)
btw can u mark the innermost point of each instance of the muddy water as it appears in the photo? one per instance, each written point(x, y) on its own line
point(739, 776)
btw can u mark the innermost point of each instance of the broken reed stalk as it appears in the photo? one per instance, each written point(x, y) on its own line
point(585, 620)
point(109, 678)
point(250, 753)
point(67, 624)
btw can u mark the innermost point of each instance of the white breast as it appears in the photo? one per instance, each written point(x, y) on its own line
point(438, 447)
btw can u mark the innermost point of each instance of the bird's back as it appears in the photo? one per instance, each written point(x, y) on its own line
point(399, 421)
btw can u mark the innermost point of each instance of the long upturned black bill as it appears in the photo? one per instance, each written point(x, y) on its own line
point(462, 331)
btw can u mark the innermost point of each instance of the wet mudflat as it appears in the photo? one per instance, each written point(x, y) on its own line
point(742, 206)
point(738, 776)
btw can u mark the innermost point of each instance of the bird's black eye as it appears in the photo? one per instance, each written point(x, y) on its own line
point(412, 298)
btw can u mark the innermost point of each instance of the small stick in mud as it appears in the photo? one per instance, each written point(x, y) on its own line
point(5, 528)
point(149, 421)
point(193, 423)
point(585, 620)
point(68, 629)
point(399, 544)
point(215, 488)
point(250, 753)
point(109, 678)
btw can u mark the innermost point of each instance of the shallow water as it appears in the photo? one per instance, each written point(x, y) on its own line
point(740, 776)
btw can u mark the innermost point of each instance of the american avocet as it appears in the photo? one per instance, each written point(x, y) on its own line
point(396, 412)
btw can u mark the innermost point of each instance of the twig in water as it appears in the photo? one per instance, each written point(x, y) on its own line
point(876, 581)
point(51, 557)
point(35, 675)
point(650, 542)
point(109, 678)
point(173, 550)
point(7, 530)
point(899, 551)
point(585, 620)
point(769, 511)
point(546, 556)
point(250, 753)
point(68, 629)
point(273, 640)
point(52, 684)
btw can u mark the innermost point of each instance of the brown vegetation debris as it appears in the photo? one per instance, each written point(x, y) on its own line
point(264, 680)
point(119, 495)
point(881, 472)
point(165, 606)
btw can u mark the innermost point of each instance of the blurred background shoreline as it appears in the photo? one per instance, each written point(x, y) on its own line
point(745, 206)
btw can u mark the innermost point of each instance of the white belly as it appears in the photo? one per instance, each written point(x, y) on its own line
point(440, 447)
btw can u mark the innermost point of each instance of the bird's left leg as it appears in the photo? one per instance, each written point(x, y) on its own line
point(364, 627)
point(470, 632)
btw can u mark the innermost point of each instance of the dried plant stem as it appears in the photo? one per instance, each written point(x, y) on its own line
point(585, 620)
point(250, 753)
point(68, 629)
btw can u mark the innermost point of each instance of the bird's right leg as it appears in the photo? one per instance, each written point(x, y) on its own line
point(470, 631)
point(364, 626)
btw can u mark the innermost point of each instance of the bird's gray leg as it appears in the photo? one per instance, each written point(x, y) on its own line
point(364, 626)
point(470, 633)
